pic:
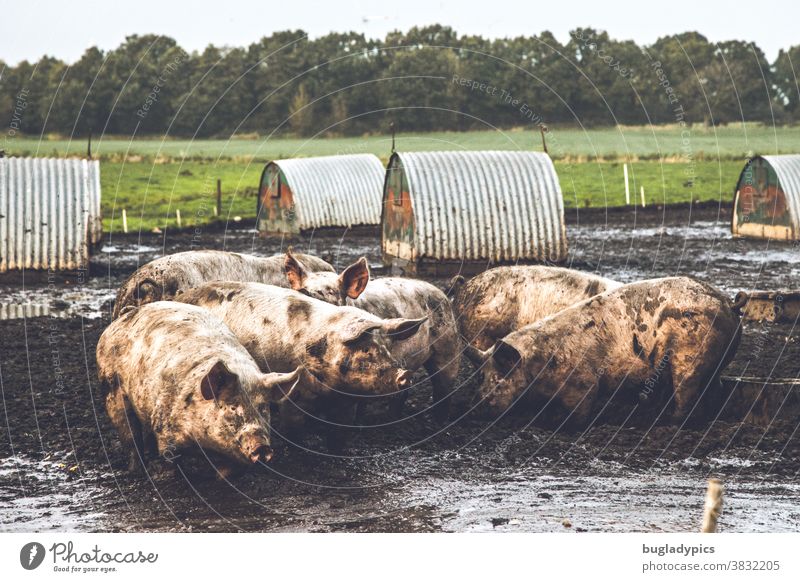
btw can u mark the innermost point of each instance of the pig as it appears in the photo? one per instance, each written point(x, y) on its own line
point(436, 348)
point(175, 379)
point(343, 350)
point(673, 335)
point(166, 277)
point(504, 299)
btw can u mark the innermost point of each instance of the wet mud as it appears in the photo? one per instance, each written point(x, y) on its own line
point(61, 466)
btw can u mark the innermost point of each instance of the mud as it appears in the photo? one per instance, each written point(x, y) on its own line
point(61, 467)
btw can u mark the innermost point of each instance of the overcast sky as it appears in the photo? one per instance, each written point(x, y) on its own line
point(64, 29)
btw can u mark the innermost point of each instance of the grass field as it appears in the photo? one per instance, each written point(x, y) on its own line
point(728, 142)
point(151, 193)
point(151, 178)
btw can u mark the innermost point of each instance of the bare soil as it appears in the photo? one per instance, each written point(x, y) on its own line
point(61, 467)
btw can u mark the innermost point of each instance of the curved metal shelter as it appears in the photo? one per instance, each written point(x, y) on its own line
point(49, 213)
point(331, 191)
point(767, 198)
point(442, 210)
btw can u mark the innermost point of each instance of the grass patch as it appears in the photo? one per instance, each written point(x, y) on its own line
point(732, 142)
point(151, 193)
point(603, 184)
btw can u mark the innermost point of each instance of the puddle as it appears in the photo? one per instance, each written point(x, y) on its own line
point(56, 301)
point(607, 501)
point(47, 496)
point(700, 230)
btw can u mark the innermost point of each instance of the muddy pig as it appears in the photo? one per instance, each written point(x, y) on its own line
point(437, 347)
point(165, 277)
point(343, 349)
point(504, 299)
point(176, 379)
point(672, 335)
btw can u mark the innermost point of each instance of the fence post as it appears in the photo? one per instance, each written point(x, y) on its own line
point(713, 506)
point(218, 207)
point(627, 187)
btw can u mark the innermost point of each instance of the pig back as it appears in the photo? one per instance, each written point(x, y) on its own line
point(159, 353)
point(501, 300)
point(272, 323)
point(165, 277)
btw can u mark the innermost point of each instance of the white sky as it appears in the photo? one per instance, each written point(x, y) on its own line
point(64, 29)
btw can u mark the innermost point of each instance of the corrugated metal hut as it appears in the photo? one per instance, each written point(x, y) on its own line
point(461, 211)
point(309, 193)
point(49, 213)
point(767, 198)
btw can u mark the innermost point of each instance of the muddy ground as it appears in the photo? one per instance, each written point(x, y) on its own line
point(61, 467)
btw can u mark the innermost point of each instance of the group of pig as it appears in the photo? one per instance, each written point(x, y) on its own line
point(205, 345)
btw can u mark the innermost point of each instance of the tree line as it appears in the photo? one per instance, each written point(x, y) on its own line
point(428, 78)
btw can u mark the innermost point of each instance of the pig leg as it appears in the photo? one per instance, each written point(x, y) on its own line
point(128, 427)
point(443, 367)
point(227, 470)
point(443, 377)
point(690, 378)
point(341, 416)
point(397, 404)
point(578, 395)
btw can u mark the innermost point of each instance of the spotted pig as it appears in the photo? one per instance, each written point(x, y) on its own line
point(166, 277)
point(176, 380)
point(436, 348)
point(670, 336)
point(504, 299)
point(343, 350)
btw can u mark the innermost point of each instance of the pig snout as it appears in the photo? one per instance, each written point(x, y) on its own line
point(256, 448)
point(404, 378)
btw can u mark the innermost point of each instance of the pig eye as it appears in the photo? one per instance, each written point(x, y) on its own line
point(305, 292)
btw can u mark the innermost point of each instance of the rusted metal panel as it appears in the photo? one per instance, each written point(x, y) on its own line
point(774, 306)
point(49, 213)
point(480, 206)
point(760, 401)
point(767, 198)
point(330, 191)
point(276, 210)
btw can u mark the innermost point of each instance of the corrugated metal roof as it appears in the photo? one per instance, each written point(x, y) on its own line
point(478, 205)
point(787, 168)
point(49, 212)
point(339, 191)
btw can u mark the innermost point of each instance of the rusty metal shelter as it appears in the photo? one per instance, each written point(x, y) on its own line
point(322, 192)
point(464, 210)
point(767, 198)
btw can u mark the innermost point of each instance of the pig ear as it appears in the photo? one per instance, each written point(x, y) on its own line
point(354, 279)
point(401, 329)
point(355, 330)
point(280, 385)
point(295, 272)
point(220, 383)
point(148, 291)
point(506, 357)
point(475, 355)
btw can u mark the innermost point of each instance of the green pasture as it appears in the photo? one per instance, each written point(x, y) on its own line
point(152, 178)
point(733, 142)
point(151, 193)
